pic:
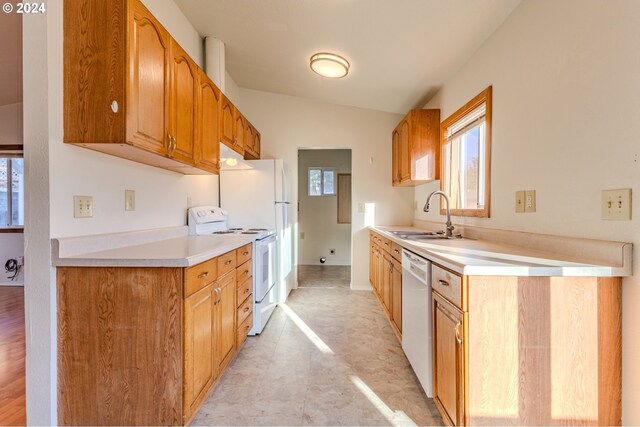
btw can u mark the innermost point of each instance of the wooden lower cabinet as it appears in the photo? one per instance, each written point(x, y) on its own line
point(385, 275)
point(526, 350)
point(145, 346)
point(448, 360)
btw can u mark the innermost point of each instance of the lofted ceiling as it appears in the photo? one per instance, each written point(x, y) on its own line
point(401, 51)
point(10, 58)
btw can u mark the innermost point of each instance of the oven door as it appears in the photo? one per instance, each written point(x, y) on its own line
point(265, 266)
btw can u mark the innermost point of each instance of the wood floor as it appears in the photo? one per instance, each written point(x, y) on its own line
point(12, 356)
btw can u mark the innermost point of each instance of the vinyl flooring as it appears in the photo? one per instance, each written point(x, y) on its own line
point(12, 356)
point(327, 357)
point(324, 276)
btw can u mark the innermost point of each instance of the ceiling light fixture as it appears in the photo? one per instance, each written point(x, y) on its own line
point(329, 65)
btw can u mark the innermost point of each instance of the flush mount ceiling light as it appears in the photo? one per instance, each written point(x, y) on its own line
point(329, 65)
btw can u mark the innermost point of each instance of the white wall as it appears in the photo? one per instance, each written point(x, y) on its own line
point(288, 123)
point(55, 172)
point(11, 246)
point(566, 97)
point(318, 216)
point(11, 123)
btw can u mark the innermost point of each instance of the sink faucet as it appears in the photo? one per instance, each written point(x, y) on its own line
point(449, 232)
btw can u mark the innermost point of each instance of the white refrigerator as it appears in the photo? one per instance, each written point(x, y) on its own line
point(258, 198)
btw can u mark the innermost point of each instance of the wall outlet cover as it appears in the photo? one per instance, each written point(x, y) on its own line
point(616, 204)
point(530, 201)
point(129, 200)
point(82, 206)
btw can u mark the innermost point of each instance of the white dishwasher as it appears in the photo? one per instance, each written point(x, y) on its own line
point(416, 317)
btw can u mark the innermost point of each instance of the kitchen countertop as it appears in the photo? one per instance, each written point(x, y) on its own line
point(174, 249)
point(487, 258)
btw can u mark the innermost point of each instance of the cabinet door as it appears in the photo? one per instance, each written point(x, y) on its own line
point(387, 270)
point(372, 263)
point(396, 294)
point(238, 132)
point(148, 84)
point(199, 361)
point(226, 316)
point(404, 152)
point(395, 172)
point(448, 359)
point(227, 113)
point(182, 104)
point(208, 135)
point(249, 139)
point(256, 144)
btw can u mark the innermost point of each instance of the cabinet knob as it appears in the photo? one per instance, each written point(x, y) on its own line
point(114, 106)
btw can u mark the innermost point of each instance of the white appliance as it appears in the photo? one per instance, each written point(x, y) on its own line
point(258, 197)
point(213, 221)
point(416, 317)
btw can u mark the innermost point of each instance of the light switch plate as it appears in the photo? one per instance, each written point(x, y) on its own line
point(129, 200)
point(530, 201)
point(519, 201)
point(82, 206)
point(362, 208)
point(616, 204)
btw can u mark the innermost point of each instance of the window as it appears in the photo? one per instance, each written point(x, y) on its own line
point(466, 152)
point(322, 182)
point(11, 192)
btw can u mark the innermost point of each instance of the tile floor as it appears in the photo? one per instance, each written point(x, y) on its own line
point(326, 357)
point(324, 276)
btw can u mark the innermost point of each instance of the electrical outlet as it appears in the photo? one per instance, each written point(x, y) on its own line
point(82, 206)
point(519, 201)
point(530, 201)
point(332, 251)
point(616, 204)
point(362, 208)
point(129, 200)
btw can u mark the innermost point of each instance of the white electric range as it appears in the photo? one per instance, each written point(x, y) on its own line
point(212, 221)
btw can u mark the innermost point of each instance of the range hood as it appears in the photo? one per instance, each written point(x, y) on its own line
point(230, 160)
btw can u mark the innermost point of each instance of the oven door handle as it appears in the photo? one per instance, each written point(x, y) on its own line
point(266, 293)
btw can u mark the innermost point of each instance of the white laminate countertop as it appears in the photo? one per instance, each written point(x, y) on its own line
point(175, 249)
point(487, 258)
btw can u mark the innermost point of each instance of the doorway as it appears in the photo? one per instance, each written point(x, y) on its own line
point(324, 218)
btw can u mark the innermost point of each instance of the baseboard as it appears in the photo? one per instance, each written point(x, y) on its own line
point(329, 262)
point(11, 284)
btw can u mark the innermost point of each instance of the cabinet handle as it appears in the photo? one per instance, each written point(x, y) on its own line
point(216, 291)
point(114, 106)
point(175, 144)
point(443, 282)
point(203, 275)
point(244, 273)
point(227, 262)
point(245, 253)
point(246, 309)
point(396, 251)
point(458, 337)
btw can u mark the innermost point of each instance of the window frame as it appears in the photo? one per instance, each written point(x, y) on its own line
point(322, 171)
point(484, 97)
point(11, 152)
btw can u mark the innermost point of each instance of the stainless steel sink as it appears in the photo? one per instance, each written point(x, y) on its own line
point(423, 235)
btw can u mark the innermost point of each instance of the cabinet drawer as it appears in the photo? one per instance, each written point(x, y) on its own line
point(226, 263)
point(447, 284)
point(244, 289)
point(243, 254)
point(396, 251)
point(243, 330)
point(385, 244)
point(200, 275)
point(245, 309)
point(244, 271)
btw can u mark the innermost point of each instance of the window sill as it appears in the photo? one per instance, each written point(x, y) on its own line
point(12, 230)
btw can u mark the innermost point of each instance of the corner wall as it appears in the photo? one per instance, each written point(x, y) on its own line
point(288, 123)
point(11, 124)
point(566, 96)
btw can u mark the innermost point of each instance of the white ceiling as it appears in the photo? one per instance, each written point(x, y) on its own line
point(401, 51)
point(10, 58)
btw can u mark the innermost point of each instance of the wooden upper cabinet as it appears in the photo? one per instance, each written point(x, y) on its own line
point(148, 84)
point(129, 89)
point(256, 144)
point(249, 140)
point(416, 148)
point(238, 131)
point(227, 114)
point(182, 104)
point(208, 125)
